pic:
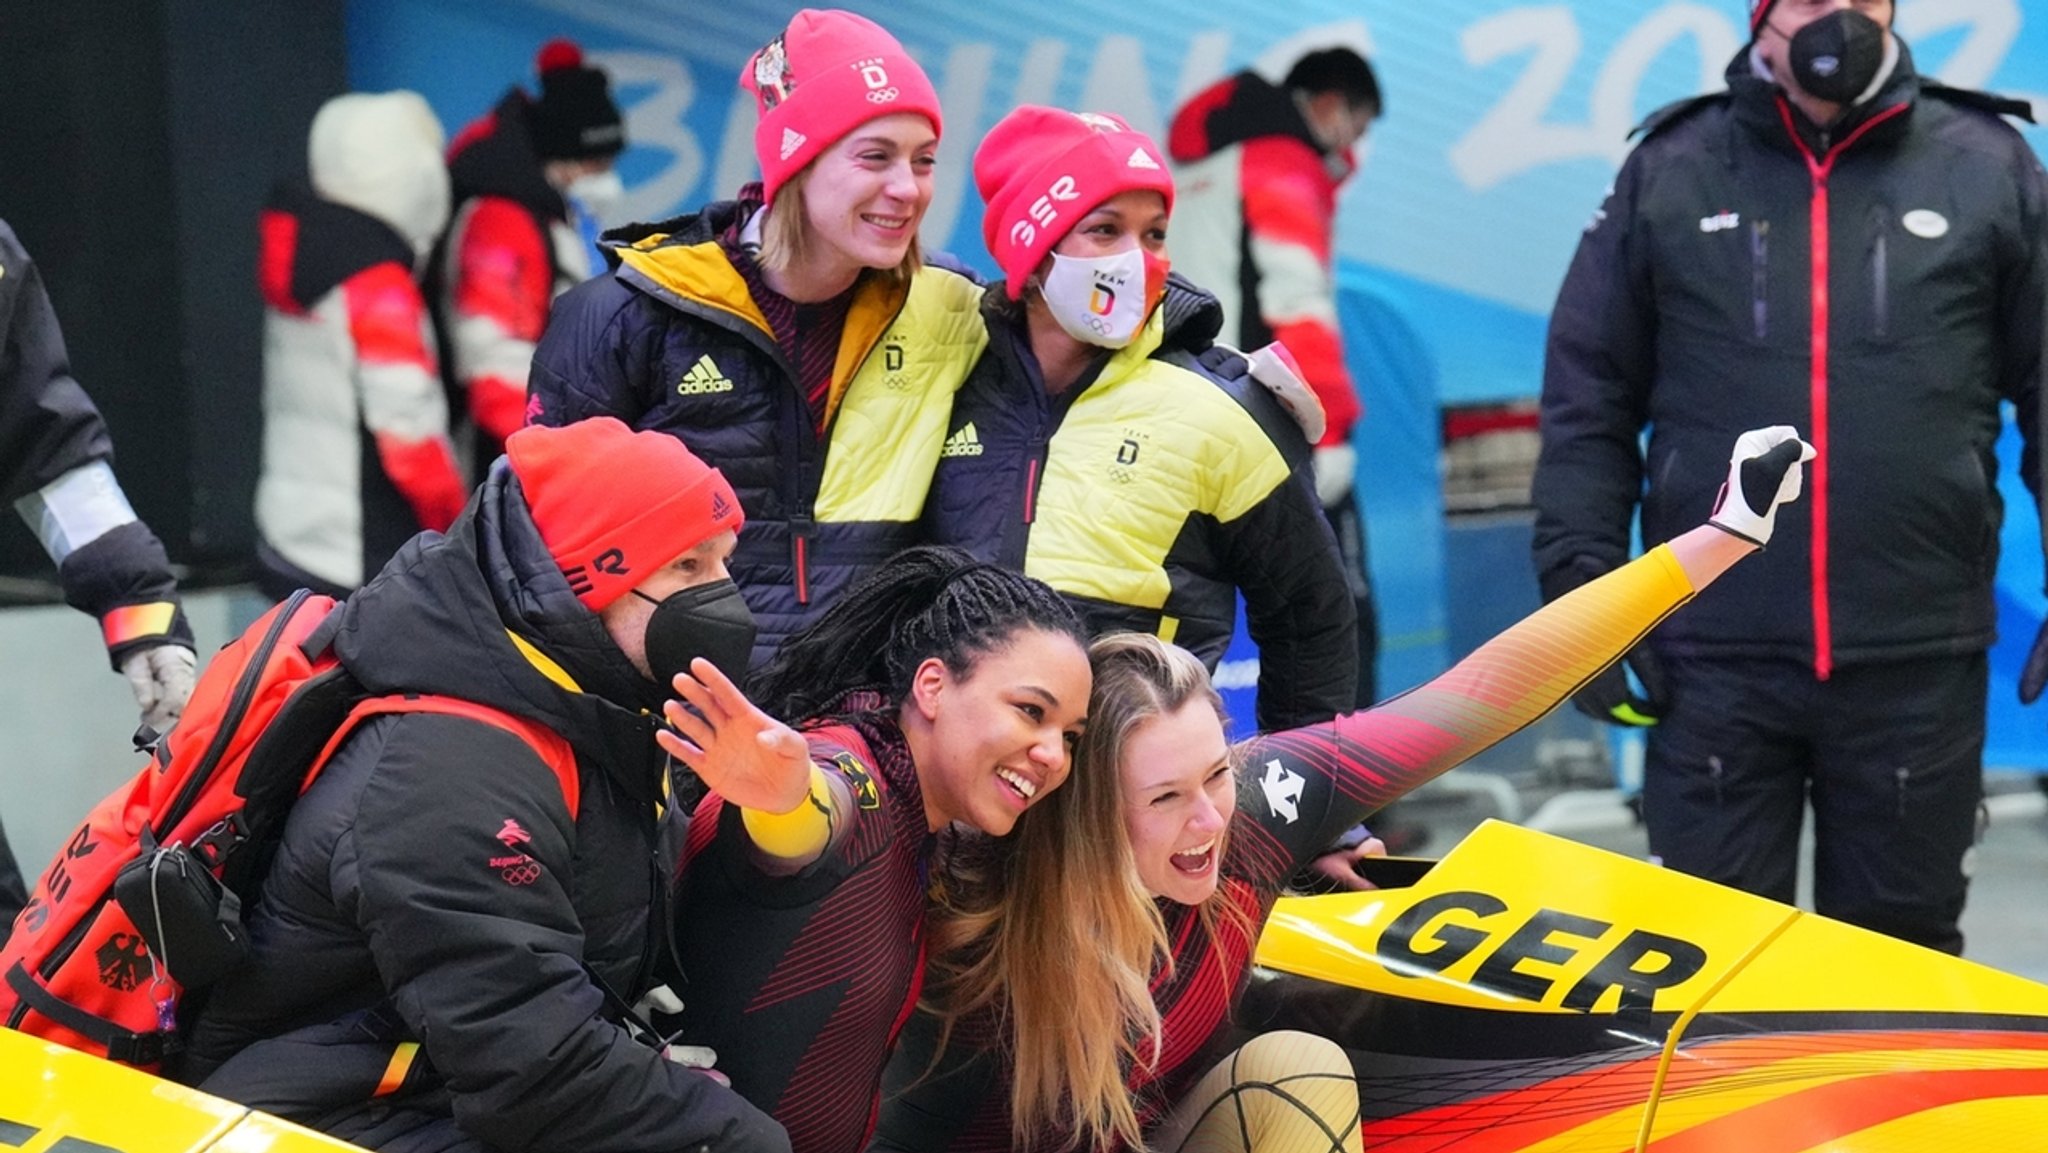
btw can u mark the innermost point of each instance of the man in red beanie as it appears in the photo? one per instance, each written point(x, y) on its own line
point(527, 176)
point(464, 901)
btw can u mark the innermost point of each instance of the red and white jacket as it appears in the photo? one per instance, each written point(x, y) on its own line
point(1254, 219)
point(356, 452)
point(510, 250)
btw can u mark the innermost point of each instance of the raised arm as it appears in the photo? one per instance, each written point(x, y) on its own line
point(1371, 757)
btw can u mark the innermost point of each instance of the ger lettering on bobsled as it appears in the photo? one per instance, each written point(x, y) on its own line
point(1531, 994)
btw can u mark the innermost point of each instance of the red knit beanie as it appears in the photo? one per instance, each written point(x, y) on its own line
point(614, 505)
point(827, 74)
point(1040, 170)
point(1758, 10)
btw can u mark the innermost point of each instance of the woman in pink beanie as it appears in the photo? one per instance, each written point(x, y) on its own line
point(792, 337)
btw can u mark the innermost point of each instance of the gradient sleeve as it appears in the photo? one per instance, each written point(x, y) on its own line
point(1299, 789)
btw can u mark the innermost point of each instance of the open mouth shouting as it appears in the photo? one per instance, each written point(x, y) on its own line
point(1196, 862)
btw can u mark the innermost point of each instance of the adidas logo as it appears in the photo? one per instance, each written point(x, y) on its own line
point(721, 508)
point(1140, 159)
point(791, 141)
point(965, 442)
point(703, 377)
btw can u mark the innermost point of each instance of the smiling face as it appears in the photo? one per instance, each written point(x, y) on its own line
point(1001, 736)
point(626, 618)
point(1179, 794)
point(865, 196)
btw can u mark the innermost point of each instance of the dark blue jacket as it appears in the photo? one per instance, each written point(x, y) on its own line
point(672, 340)
point(1704, 300)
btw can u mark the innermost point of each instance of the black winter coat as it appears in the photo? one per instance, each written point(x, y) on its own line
point(388, 916)
point(1878, 286)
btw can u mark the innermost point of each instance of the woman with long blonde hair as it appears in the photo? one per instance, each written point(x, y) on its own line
point(1213, 832)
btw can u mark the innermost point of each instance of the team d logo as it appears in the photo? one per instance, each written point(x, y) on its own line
point(1102, 299)
point(876, 78)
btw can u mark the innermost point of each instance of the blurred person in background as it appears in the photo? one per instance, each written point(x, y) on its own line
point(1833, 242)
point(1093, 449)
point(794, 337)
point(57, 470)
point(1259, 168)
point(357, 456)
point(530, 177)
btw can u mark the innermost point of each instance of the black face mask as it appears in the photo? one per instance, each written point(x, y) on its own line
point(1837, 56)
point(708, 620)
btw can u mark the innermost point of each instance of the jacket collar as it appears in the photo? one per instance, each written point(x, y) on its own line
point(1757, 98)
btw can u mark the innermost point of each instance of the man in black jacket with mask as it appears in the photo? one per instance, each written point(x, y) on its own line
point(467, 895)
point(1836, 244)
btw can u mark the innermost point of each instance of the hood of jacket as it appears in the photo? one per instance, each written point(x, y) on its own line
point(483, 614)
point(1231, 111)
point(307, 245)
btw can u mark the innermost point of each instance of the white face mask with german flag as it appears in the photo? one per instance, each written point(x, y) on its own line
point(1104, 300)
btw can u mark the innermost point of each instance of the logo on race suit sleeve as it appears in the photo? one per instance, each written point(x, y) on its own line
point(856, 775)
point(1282, 787)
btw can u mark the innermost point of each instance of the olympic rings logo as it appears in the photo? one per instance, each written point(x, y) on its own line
point(884, 95)
point(525, 874)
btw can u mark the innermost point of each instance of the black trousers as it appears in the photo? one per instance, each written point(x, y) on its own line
point(1889, 756)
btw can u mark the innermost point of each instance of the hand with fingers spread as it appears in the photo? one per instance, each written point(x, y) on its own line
point(746, 756)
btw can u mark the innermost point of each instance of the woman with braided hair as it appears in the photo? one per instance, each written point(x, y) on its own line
point(938, 690)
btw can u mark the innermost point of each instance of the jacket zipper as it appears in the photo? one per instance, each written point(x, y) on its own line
point(1880, 275)
point(1819, 168)
point(1760, 277)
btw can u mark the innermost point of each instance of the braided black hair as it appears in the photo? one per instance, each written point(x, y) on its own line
point(924, 602)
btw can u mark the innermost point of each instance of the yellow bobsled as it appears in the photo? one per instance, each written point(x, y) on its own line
point(1533, 995)
point(58, 1100)
point(1523, 995)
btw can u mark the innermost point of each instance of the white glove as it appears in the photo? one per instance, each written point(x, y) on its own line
point(661, 999)
point(162, 677)
point(1763, 473)
point(1336, 472)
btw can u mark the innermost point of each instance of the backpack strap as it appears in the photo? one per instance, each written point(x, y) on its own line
point(552, 748)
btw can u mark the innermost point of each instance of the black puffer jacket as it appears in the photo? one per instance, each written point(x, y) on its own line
point(1879, 287)
point(672, 340)
point(390, 915)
